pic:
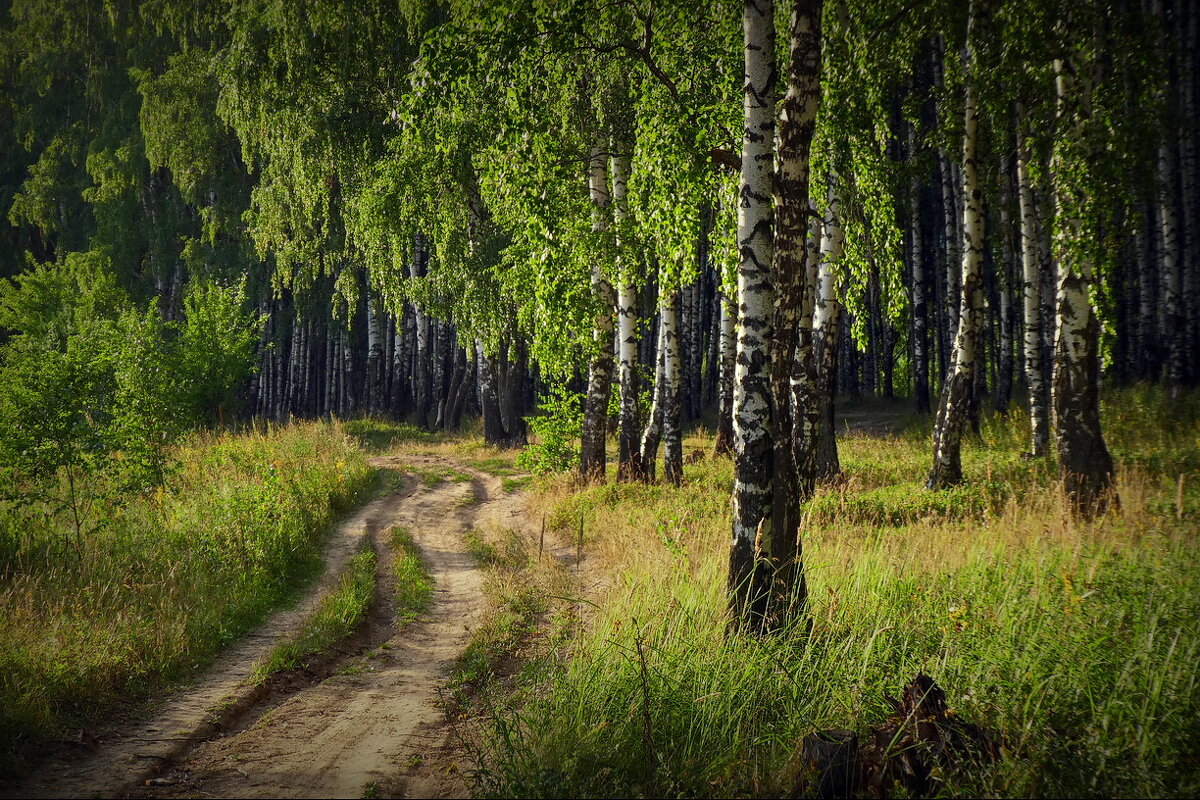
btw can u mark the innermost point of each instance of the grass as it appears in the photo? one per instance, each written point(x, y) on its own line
point(336, 616)
point(1076, 641)
point(161, 581)
point(522, 594)
point(379, 435)
point(414, 586)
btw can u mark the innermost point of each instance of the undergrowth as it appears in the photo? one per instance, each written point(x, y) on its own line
point(1076, 642)
point(161, 580)
point(524, 614)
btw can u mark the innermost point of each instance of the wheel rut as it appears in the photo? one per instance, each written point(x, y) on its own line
point(366, 716)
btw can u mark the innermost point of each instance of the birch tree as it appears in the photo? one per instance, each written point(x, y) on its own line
point(957, 391)
point(750, 578)
point(1085, 466)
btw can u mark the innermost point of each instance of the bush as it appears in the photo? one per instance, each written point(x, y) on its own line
point(557, 428)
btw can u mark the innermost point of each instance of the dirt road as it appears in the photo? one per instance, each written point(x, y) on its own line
point(371, 717)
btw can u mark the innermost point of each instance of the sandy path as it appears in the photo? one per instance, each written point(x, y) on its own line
point(378, 720)
point(126, 757)
point(369, 718)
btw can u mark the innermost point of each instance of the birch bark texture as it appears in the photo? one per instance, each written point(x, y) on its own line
point(749, 570)
point(791, 341)
point(958, 389)
point(1039, 418)
point(826, 328)
point(628, 459)
point(1084, 463)
point(592, 460)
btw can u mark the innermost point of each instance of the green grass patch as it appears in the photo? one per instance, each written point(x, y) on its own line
point(515, 484)
point(336, 616)
point(380, 436)
point(499, 465)
point(520, 591)
point(414, 586)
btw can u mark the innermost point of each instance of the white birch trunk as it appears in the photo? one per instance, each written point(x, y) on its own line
point(628, 465)
point(600, 370)
point(1039, 423)
point(749, 573)
point(956, 394)
point(1085, 466)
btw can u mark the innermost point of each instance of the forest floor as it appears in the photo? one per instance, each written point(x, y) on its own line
point(369, 718)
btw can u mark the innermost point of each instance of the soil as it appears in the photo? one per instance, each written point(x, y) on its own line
point(360, 721)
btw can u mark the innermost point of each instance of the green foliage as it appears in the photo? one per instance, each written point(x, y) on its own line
point(216, 347)
point(91, 383)
point(557, 429)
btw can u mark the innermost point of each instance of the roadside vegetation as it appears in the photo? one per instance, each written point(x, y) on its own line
point(110, 600)
point(1076, 642)
point(336, 616)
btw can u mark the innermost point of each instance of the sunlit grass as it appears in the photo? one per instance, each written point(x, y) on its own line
point(1077, 642)
point(336, 616)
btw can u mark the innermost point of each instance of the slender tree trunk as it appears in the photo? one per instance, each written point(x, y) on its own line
point(1176, 321)
point(1004, 356)
point(805, 384)
point(672, 417)
point(920, 310)
point(1147, 343)
point(420, 373)
point(628, 463)
point(750, 574)
point(1084, 463)
point(456, 379)
point(826, 318)
point(600, 371)
point(375, 374)
point(1039, 438)
point(724, 442)
point(956, 394)
point(654, 422)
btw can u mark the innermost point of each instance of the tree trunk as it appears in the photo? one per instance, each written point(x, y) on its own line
point(805, 399)
point(750, 577)
point(1176, 322)
point(1039, 428)
point(724, 442)
point(654, 423)
point(420, 374)
point(628, 461)
point(600, 371)
point(920, 311)
point(956, 394)
point(375, 373)
point(672, 417)
point(826, 333)
point(1084, 463)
